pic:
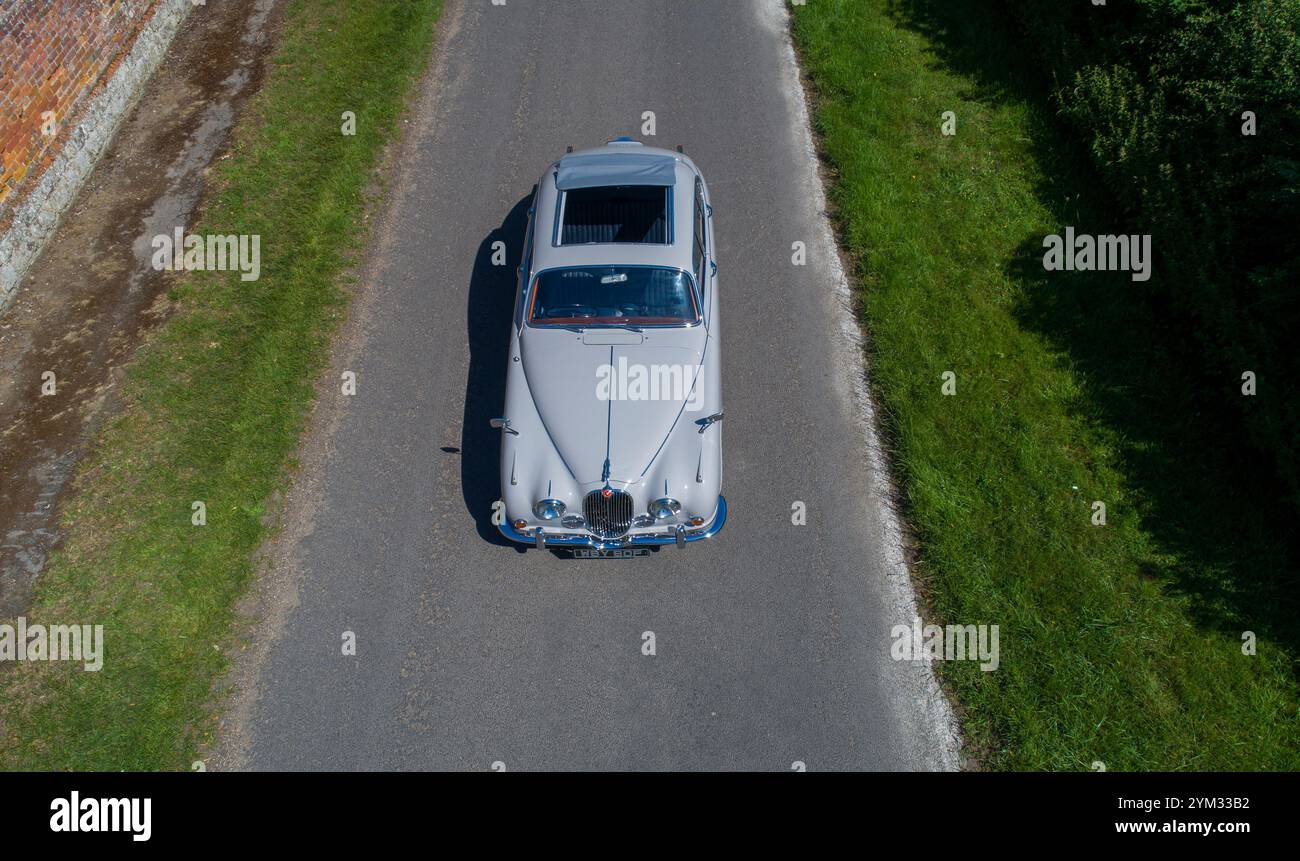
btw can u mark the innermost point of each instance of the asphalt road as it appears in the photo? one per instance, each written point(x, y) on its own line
point(772, 640)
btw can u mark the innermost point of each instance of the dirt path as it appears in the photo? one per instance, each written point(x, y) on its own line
point(92, 297)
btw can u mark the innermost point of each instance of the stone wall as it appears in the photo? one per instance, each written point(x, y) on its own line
point(69, 72)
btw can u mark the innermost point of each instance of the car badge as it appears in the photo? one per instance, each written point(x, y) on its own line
point(607, 493)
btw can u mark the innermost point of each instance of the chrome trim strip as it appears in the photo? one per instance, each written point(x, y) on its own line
point(719, 520)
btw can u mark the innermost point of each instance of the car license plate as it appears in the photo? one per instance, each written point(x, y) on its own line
point(615, 553)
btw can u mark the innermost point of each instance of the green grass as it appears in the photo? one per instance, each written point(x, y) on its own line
point(215, 407)
point(1120, 643)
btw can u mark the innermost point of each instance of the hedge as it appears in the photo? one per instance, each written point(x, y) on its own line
point(1157, 90)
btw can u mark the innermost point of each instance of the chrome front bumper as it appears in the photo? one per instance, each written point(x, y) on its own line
point(680, 537)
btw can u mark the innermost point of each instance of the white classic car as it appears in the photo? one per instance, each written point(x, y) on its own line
point(611, 439)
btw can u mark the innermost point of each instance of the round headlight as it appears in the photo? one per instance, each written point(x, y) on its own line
point(664, 509)
point(548, 509)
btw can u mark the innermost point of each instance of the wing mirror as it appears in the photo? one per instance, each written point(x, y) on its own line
point(503, 424)
point(706, 423)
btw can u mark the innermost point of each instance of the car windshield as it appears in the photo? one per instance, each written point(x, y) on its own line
point(613, 296)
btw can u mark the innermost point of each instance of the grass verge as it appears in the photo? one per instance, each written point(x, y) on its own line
point(215, 405)
point(1122, 643)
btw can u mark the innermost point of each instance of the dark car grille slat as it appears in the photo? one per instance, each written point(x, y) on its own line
point(608, 517)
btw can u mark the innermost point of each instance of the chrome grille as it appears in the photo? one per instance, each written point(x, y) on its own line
point(608, 516)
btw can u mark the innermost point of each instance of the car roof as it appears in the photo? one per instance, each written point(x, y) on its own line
point(619, 162)
point(604, 168)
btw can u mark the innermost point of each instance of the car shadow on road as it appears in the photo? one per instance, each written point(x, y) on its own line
point(487, 321)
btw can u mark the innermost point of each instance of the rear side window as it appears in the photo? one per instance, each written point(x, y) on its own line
point(612, 214)
point(699, 232)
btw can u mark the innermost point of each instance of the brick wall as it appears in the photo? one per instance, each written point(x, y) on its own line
point(54, 55)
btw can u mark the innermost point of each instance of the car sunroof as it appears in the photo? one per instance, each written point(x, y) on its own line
point(626, 213)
